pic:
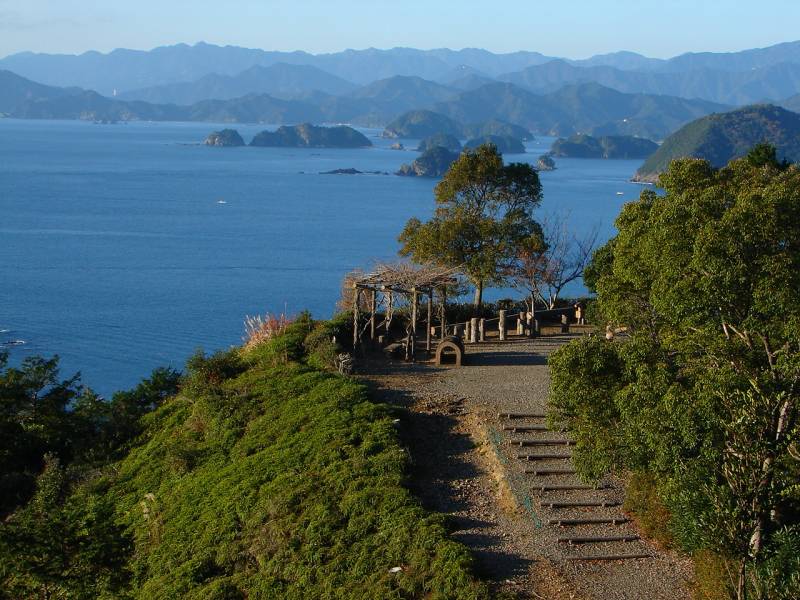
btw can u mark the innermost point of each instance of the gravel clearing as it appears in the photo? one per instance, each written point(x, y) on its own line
point(465, 465)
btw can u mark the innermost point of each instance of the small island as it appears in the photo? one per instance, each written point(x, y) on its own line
point(610, 147)
point(228, 138)
point(443, 140)
point(419, 124)
point(546, 163)
point(307, 135)
point(506, 144)
point(433, 163)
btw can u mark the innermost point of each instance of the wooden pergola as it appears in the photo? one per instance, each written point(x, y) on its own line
point(410, 282)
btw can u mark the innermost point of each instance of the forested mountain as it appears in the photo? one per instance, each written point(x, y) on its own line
point(280, 80)
point(585, 108)
point(718, 138)
point(792, 103)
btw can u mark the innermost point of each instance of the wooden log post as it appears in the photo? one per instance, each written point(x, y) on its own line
point(430, 322)
point(414, 311)
point(372, 307)
point(356, 294)
point(444, 313)
point(501, 325)
point(529, 323)
point(482, 330)
point(467, 331)
point(473, 330)
point(519, 324)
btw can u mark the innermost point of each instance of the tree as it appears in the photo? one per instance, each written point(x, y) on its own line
point(484, 211)
point(703, 392)
point(546, 264)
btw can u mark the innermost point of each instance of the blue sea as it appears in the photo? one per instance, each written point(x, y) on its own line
point(127, 247)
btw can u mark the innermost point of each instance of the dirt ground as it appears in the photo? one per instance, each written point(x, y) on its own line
point(464, 465)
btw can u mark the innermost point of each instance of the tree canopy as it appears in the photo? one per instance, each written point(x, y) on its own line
point(484, 211)
point(702, 391)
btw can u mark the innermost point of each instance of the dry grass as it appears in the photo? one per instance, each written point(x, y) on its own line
point(260, 329)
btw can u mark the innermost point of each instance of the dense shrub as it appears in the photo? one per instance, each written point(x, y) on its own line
point(264, 477)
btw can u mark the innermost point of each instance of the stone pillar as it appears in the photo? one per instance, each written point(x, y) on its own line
point(501, 325)
point(473, 330)
point(482, 330)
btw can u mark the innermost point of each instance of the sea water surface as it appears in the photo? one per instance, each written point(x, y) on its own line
point(127, 247)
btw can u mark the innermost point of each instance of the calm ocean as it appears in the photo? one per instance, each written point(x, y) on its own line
point(127, 247)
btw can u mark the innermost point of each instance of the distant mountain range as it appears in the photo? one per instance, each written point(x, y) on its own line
point(583, 108)
point(733, 77)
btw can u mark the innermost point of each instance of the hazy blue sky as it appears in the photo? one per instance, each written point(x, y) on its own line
point(571, 28)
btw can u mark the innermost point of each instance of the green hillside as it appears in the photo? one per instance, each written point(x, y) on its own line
point(719, 138)
point(265, 477)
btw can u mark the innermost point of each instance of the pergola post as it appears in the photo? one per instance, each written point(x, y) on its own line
point(430, 321)
point(414, 310)
point(372, 307)
point(444, 313)
point(356, 293)
point(501, 325)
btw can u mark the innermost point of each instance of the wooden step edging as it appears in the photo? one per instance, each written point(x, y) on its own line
point(543, 472)
point(513, 415)
point(589, 521)
point(564, 487)
point(524, 428)
point(522, 443)
point(597, 539)
point(608, 557)
point(543, 456)
point(580, 503)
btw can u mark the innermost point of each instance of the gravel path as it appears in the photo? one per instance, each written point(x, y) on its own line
point(466, 464)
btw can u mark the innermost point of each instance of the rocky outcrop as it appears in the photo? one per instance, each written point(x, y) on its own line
point(311, 136)
point(433, 163)
point(546, 163)
point(419, 124)
point(228, 138)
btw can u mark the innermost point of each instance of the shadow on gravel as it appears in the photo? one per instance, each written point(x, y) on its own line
point(498, 359)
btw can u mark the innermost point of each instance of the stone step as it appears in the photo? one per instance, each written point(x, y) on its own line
point(579, 503)
point(609, 557)
point(543, 456)
point(589, 521)
point(597, 539)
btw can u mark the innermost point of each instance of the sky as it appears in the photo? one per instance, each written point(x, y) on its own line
point(572, 29)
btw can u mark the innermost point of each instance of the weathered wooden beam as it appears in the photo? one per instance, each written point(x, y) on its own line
point(523, 428)
point(517, 415)
point(543, 456)
point(565, 487)
point(544, 442)
point(589, 521)
point(580, 504)
point(609, 557)
point(597, 539)
point(501, 324)
point(540, 472)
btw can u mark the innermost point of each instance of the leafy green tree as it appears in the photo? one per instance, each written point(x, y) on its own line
point(484, 212)
point(702, 391)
